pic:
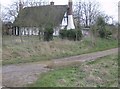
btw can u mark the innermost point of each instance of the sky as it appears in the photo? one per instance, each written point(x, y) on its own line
point(109, 7)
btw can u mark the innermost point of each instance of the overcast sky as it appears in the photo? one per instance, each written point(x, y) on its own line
point(110, 7)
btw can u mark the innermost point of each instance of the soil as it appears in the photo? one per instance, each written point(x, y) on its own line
point(18, 75)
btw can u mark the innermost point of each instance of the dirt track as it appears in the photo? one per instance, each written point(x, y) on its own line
point(20, 74)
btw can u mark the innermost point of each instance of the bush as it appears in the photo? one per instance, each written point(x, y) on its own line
point(101, 26)
point(63, 34)
point(71, 34)
point(108, 34)
point(48, 34)
point(79, 35)
point(102, 33)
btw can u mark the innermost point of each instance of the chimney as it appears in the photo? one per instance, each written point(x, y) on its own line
point(52, 3)
point(20, 5)
point(70, 7)
point(70, 24)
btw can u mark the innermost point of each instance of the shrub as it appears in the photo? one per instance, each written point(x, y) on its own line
point(79, 34)
point(108, 34)
point(71, 34)
point(102, 33)
point(101, 26)
point(48, 34)
point(63, 34)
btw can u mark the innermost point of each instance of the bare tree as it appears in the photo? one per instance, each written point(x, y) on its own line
point(4, 16)
point(36, 3)
point(86, 12)
point(78, 13)
point(108, 19)
point(11, 12)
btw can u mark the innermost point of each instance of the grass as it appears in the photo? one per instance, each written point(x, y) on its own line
point(102, 72)
point(33, 50)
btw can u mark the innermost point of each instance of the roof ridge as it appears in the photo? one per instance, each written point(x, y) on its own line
point(45, 6)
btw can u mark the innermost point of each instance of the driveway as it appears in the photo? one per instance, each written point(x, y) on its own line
point(18, 75)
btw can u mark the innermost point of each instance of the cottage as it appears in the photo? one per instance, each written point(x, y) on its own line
point(32, 20)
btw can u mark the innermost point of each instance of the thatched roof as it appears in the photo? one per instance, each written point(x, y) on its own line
point(41, 16)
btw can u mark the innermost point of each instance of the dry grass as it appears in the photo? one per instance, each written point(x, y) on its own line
point(36, 50)
point(33, 50)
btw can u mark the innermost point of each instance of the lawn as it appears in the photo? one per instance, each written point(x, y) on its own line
point(33, 50)
point(102, 72)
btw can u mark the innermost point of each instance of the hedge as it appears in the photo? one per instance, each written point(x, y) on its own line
point(72, 34)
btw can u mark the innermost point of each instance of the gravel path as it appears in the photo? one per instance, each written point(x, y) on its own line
point(20, 74)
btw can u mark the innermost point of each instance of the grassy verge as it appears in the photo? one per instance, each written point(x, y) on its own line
point(33, 50)
point(102, 72)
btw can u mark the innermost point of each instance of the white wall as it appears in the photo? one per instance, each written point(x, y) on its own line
point(64, 21)
point(29, 30)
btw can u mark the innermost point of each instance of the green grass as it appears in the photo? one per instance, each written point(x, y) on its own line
point(33, 50)
point(102, 72)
